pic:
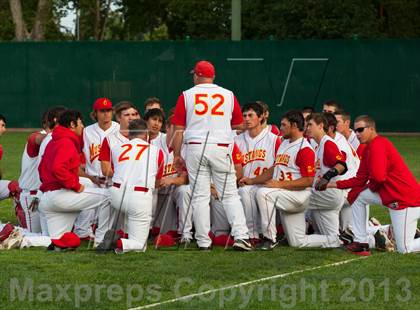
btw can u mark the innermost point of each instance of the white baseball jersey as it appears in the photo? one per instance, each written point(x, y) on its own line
point(108, 143)
point(93, 136)
point(291, 158)
point(137, 163)
point(354, 142)
point(29, 176)
point(320, 153)
point(258, 153)
point(43, 146)
point(207, 109)
point(159, 140)
point(352, 159)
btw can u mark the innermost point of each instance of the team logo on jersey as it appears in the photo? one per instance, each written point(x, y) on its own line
point(254, 155)
point(310, 169)
point(94, 150)
point(169, 169)
point(339, 157)
point(282, 159)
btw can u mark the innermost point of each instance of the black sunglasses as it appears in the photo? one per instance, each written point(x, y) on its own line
point(360, 129)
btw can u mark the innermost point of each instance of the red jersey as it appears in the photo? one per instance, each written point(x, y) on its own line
point(60, 163)
point(382, 170)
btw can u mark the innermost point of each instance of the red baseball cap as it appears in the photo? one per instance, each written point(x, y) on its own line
point(67, 240)
point(102, 104)
point(204, 68)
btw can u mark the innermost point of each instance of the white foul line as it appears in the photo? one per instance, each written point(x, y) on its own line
point(278, 276)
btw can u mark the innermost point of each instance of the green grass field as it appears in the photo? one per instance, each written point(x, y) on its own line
point(35, 279)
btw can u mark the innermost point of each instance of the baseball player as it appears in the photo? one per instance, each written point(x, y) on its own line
point(64, 196)
point(124, 113)
point(352, 162)
point(152, 103)
point(266, 114)
point(287, 187)
point(330, 164)
point(208, 113)
point(29, 177)
point(343, 127)
point(387, 181)
point(137, 166)
point(331, 106)
point(258, 146)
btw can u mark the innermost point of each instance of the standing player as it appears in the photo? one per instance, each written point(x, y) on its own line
point(124, 113)
point(93, 136)
point(258, 146)
point(330, 163)
point(64, 196)
point(331, 106)
point(208, 113)
point(387, 181)
point(266, 114)
point(137, 166)
point(343, 127)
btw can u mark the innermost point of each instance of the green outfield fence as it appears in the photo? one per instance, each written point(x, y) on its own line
point(381, 77)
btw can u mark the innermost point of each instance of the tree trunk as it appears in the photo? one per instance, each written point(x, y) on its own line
point(96, 27)
point(21, 32)
point(38, 30)
point(103, 21)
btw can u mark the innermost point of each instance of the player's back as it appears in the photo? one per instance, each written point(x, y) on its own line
point(209, 110)
point(136, 163)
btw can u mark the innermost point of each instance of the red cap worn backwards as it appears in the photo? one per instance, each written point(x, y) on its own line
point(102, 104)
point(204, 69)
point(67, 240)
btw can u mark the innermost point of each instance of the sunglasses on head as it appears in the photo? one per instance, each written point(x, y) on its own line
point(360, 129)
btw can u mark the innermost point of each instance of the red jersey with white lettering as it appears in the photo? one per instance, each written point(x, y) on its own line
point(327, 155)
point(137, 163)
point(294, 160)
point(259, 153)
point(93, 136)
point(352, 159)
point(207, 110)
point(108, 143)
point(29, 176)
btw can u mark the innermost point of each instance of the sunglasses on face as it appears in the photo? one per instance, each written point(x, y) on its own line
point(360, 129)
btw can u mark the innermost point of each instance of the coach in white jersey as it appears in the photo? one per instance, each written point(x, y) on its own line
point(258, 146)
point(330, 165)
point(124, 113)
point(137, 166)
point(93, 136)
point(208, 113)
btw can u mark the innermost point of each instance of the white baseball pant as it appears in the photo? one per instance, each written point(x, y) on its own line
point(85, 219)
point(61, 207)
point(214, 164)
point(219, 222)
point(33, 220)
point(4, 189)
point(185, 214)
point(137, 206)
point(248, 195)
point(346, 216)
point(404, 222)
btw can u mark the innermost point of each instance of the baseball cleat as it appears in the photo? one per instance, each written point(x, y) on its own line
point(267, 245)
point(109, 243)
point(382, 242)
point(204, 248)
point(53, 248)
point(6, 231)
point(358, 248)
point(242, 245)
point(185, 242)
point(14, 240)
point(346, 236)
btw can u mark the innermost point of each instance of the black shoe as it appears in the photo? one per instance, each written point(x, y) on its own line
point(53, 248)
point(242, 245)
point(267, 245)
point(346, 236)
point(361, 249)
point(109, 243)
point(204, 248)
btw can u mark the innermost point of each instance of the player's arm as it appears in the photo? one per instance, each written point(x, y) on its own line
point(262, 178)
point(176, 181)
point(60, 169)
point(179, 120)
point(237, 121)
point(361, 178)
point(105, 159)
point(336, 160)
